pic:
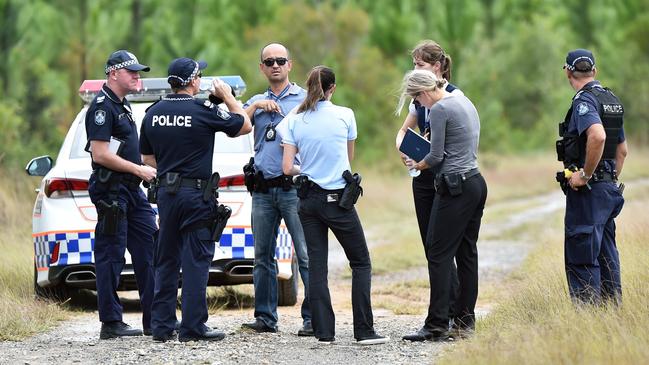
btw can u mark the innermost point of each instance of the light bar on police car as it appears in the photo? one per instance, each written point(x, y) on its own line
point(151, 89)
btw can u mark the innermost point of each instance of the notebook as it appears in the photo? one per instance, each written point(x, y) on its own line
point(414, 145)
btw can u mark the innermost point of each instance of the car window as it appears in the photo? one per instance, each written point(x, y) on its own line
point(222, 143)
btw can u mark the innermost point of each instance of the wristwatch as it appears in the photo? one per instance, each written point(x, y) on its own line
point(583, 175)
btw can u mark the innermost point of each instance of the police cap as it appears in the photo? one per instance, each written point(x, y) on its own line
point(124, 59)
point(183, 70)
point(577, 56)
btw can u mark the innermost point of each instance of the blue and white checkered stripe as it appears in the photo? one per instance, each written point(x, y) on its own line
point(74, 248)
point(238, 243)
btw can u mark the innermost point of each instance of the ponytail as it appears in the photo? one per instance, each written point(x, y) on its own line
point(319, 80)
point(446, 66)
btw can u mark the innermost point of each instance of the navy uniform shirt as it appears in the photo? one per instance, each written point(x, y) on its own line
point(107, 117)
point(269, 154)
point(179, 131)
point(586, 112)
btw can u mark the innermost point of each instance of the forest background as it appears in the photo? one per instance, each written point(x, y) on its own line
point(507, 58)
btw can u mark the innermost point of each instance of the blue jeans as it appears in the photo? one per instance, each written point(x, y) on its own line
point(267, 211)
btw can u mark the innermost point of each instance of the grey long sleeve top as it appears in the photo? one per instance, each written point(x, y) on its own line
point(455, 133)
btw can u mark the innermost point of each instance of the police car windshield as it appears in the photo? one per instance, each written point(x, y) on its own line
point(222, 144)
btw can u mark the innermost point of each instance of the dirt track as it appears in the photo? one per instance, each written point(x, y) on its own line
point(76, 341)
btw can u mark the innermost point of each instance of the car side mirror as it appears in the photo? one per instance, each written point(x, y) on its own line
point(39, 166)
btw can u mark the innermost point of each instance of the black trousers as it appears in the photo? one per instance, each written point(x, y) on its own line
point(317, 216)
point(423, 191)
point(453, 233)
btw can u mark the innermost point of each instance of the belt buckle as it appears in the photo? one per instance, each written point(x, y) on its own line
point(331, 198)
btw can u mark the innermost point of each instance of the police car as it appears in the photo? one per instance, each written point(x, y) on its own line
point(64, 218)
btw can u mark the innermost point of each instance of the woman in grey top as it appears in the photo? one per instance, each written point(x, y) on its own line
point(461, 193)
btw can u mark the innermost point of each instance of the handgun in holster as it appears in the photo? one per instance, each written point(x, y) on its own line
point(109, 214)
point(302, 185)
point(151, 190)
point(249, 175)
point(210, 190)
point(260, 183)
point(352, 190)
point(223, 213)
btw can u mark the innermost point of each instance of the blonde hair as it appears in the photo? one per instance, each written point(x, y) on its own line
point(417, 81)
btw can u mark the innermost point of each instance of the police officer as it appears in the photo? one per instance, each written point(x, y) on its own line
point(274, 197)
point(177, 136)
point(125, 218)
point(324, 134)
point(592, 144)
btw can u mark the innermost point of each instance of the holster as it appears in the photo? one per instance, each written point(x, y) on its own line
point(172, 182)
point(223, 213)
point(352, 190)
point(453, 184)
point(152, 190)
point(109, 214)
point(249, 175)
point(211, 187)
point(260, 183)
point(302, 185)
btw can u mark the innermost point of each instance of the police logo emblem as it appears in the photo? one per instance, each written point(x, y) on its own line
point(582, 108)
point(270, 134)
point(100, 117)
point(222, 114)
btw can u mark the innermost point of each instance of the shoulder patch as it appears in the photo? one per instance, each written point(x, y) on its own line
point(100, 117)
point(223, 114)
point(582, 108)
point(100, 99)
point(208, 104)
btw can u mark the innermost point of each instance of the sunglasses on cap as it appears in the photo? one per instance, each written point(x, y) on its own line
point(269, 62)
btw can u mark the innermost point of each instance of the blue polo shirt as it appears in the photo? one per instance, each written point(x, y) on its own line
point(586, 112)
point(107, 117)
point(321, 139)
point(268, 154)
point(179, 131)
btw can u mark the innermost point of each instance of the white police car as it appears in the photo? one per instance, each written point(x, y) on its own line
point(64, 218)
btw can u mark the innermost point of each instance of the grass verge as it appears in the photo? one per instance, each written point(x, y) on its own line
point(20, 314)
point(536, 323)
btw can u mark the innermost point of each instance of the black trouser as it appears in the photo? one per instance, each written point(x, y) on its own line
point(453, 232)
point(317, 216)
point(423, 191)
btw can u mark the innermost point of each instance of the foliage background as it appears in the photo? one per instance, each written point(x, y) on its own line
point(507, 57)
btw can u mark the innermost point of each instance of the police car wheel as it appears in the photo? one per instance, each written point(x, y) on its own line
point(57, 293)
point(287, 289)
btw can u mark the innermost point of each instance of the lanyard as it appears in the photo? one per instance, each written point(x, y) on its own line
point(277, 98)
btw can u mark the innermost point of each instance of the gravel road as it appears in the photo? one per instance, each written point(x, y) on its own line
point(77, 340)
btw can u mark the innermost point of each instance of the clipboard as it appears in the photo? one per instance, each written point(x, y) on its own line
point(414, 145)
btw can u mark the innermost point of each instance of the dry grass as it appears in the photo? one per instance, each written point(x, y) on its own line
point(20, 314)
point(537, 323)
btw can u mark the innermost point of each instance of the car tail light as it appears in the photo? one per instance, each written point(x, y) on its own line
point(54, 257)
point(62, 188)
point(231, 181)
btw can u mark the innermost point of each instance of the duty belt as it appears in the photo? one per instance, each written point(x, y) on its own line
point(131, 182)
point(188, 183)
point(603, 176)
point(277, 182)
point(467, 174)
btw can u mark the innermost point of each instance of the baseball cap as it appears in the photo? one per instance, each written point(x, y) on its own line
point(184, 70)
point(124, 59)
point(579, 55)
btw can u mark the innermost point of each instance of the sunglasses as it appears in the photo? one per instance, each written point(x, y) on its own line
point(269, 62)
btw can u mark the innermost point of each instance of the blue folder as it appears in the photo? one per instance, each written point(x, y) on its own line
point(414, 145)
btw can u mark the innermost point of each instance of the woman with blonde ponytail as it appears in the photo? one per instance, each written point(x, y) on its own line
point(324, 134)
